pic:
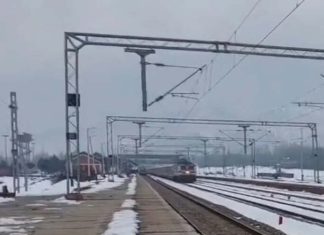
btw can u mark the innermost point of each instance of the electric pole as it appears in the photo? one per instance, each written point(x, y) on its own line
point(205, 152)
point(301, 154)
point(140, 125)
point(5, 147)
point(14, 141)
point(245, 144)
point(142, 53)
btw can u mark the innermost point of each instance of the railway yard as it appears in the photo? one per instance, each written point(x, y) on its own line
point(161, 117)
point(163, 206)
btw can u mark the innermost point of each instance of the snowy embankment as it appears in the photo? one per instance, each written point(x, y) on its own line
point(289, 226)
point(125, 221)
point(238, 172)
point(44, 186)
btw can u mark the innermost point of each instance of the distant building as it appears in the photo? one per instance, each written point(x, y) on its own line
point(90, 166)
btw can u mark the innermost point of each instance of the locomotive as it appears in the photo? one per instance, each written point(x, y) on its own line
point(182, 171)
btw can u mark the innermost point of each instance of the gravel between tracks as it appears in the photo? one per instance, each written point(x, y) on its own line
point(204, 220)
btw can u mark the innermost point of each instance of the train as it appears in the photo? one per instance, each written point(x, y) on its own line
point(182, 171)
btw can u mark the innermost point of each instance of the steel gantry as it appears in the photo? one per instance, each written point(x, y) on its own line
point(312, 126)
point(75, 41)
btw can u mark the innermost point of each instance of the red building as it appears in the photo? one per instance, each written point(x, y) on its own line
point(89, 166)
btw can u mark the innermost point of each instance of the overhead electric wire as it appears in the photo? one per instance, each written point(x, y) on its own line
point(171, 65)
point(159, 98)
point(284, 106)
point(244, 19)
point(245, 56)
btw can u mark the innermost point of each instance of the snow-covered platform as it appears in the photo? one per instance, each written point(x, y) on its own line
point(54, 215)
point(156, 216)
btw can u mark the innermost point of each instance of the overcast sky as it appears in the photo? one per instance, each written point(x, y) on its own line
point(31, 63)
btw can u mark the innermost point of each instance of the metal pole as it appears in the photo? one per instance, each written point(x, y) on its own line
point(88, 150)
point(102, 159)
point(313, 152)
point(77, 118)
point(316, 154)
point(224, 161)
point(5, 147)
point(68, 163)
point(301, 154)
point(107, 143)
point(254, 147)
point(245, 144)
point(143, 77)
point(205, 153)
point(14, 141)
point(112, 151)
point(188, 153)
point(142, 53)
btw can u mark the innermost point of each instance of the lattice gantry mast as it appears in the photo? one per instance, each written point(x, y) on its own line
point(14, 141)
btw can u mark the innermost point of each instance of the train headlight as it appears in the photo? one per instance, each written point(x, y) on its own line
point(187, 172)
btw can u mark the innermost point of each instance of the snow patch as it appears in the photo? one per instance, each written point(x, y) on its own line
point(42, 186)
point(15, 230)
point(19, 220)
point(52, 208)
point(132, 186)
point(128, 203)
point(64, 200)
point(36, 204)
point(2, 200)
point(124, 222)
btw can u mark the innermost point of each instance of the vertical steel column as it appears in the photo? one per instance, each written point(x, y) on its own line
point(224, 160)
point(77, 115)
point(107, 146)
point(14, 141)
point(72, 104)
point(245, 143)
point(142, 53)
point(5, 147)
point(143, 76)
point(315, 153)
point(67, 157)
point(301, 154)
point(205, 152)
point(110, 128)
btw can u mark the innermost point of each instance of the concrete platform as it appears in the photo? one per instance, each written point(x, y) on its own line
point(88, 218)
point(156, 216)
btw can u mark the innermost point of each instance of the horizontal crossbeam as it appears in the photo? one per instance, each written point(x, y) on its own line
point(79, 40)
point(111, 119)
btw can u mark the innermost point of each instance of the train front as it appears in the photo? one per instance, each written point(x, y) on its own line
point(186, 172)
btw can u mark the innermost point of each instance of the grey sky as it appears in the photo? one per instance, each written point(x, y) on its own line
point(31, 62)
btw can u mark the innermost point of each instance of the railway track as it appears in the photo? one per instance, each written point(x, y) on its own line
point(208, 218)
point(287, 194)
point(276, 209)
point(309, 207)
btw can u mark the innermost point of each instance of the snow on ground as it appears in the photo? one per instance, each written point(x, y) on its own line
point(128, 203)
point(102, 185)
point(35, 204)
point(64, 200)
point(252, 199)
point(132, 186)
point(290, 226)
point(239, 173)
point(11, 225)
point(2, 200)
point(124, 222)
point(43, 186)
point(267, 192)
